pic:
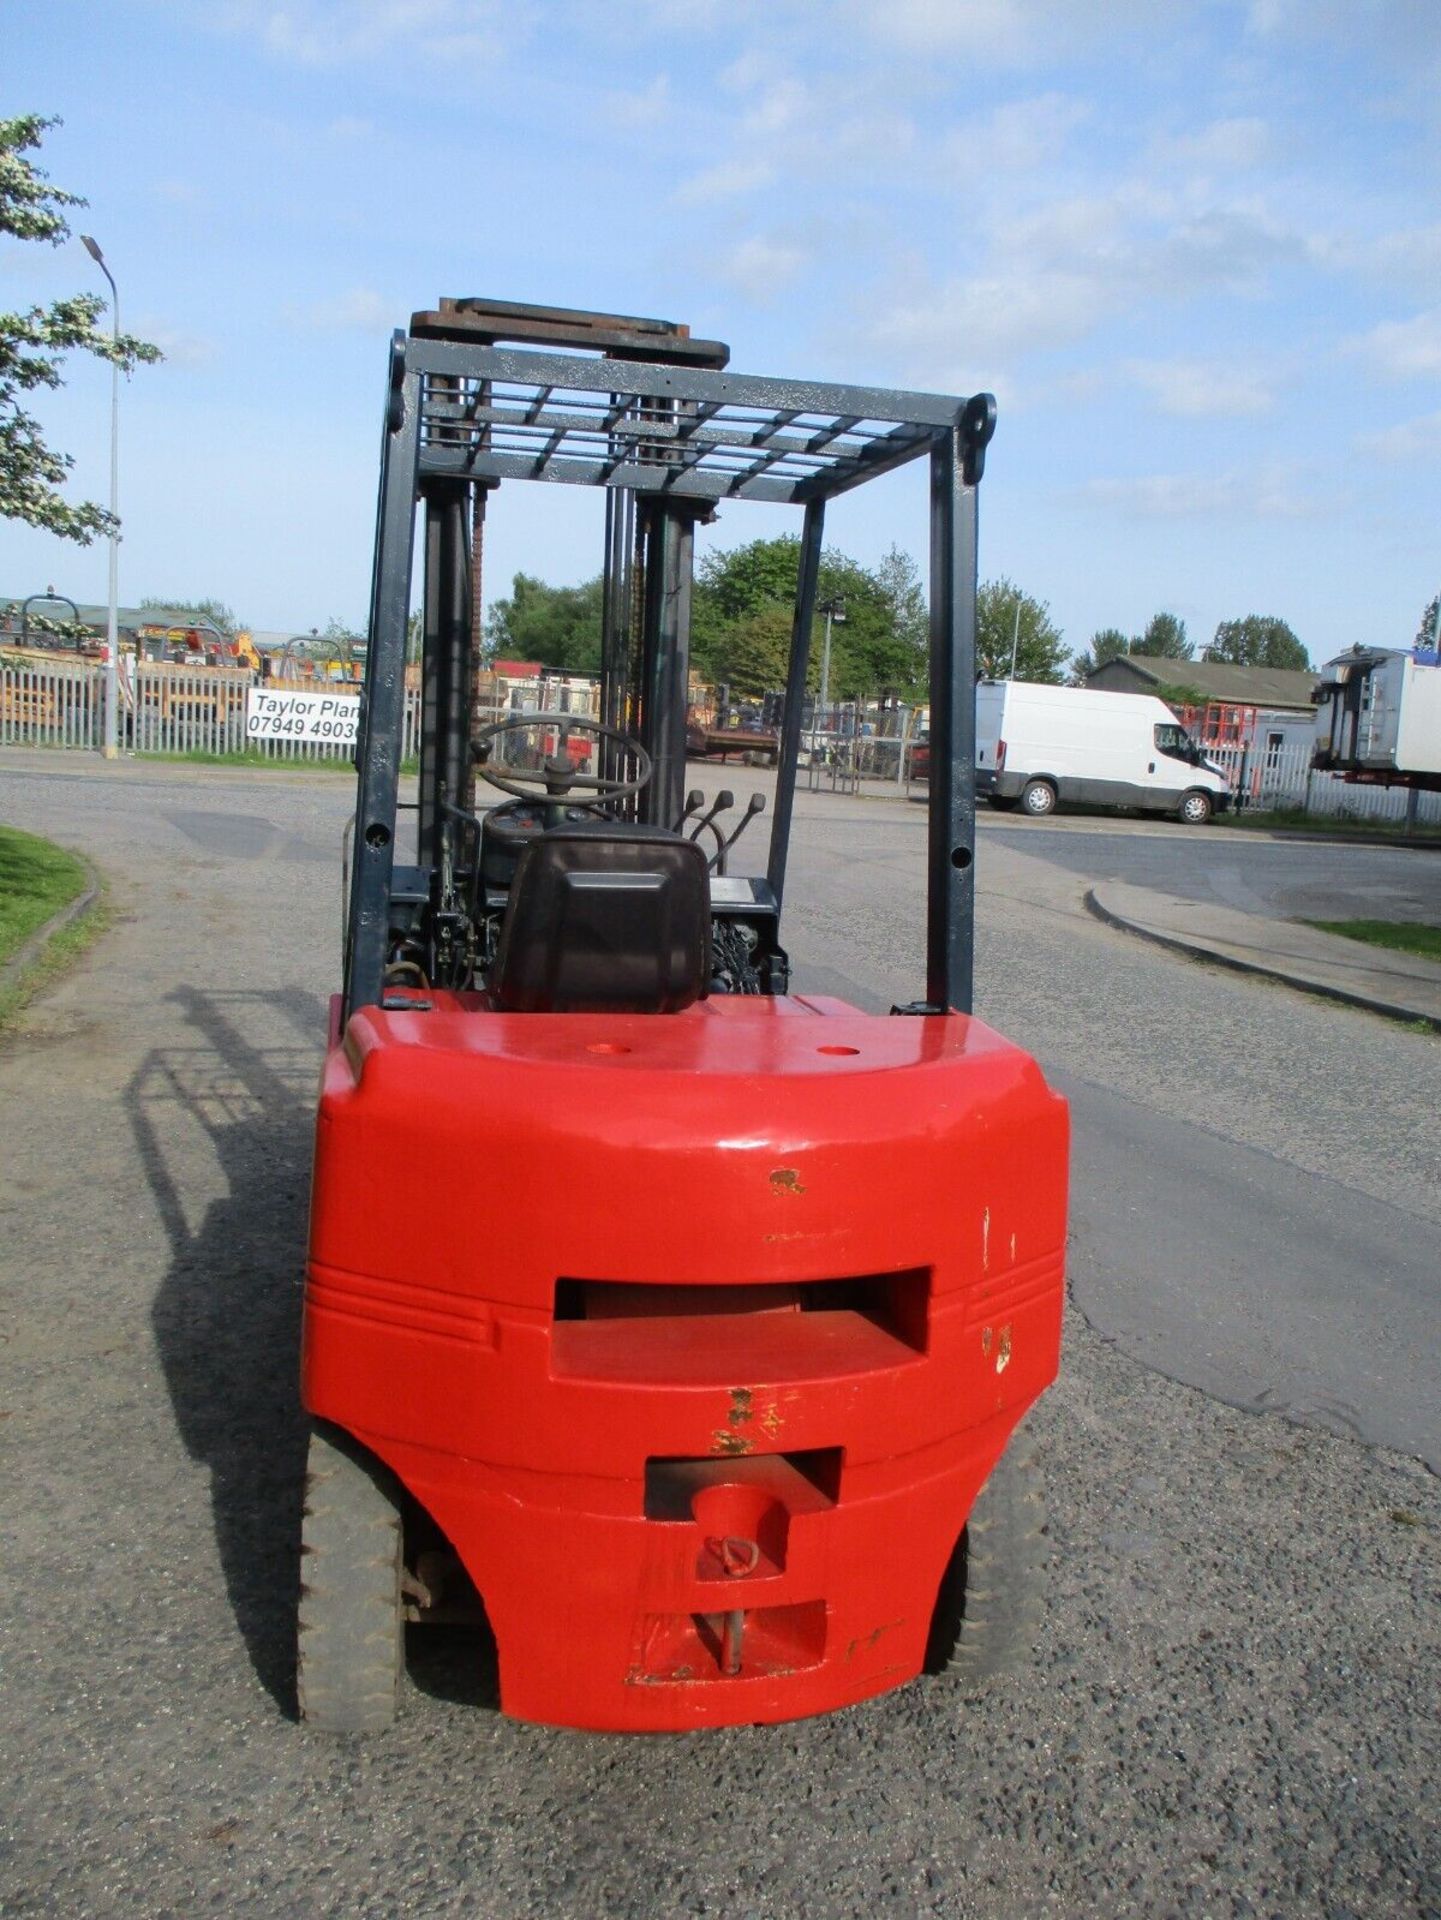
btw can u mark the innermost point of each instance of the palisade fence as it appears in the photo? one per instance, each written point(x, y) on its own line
point(171, 709)
point(1264, 779)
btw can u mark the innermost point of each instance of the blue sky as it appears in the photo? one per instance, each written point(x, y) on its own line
point(1193, 246)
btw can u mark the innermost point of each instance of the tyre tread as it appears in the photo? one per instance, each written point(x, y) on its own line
point(349, 1618)
point(989, 1609)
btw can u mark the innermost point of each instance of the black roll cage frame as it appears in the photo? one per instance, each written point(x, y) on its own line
point(668, 439)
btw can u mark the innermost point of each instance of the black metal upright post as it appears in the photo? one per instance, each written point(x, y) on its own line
point(445, 658)
point(665, 655)
point(950, 910)
point(369, 916)
point(808, 574)
point(616, 622)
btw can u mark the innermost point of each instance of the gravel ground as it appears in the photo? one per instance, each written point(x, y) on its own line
point(1233, 1711)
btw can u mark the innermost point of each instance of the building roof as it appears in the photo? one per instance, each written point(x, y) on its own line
point(1212, 679)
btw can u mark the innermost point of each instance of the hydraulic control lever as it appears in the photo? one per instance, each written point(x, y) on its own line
point(757, 804)
point(724, 799)
point(694, 801)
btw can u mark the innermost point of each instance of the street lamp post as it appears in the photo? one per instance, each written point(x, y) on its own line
point(833, 609)
point(111, 747)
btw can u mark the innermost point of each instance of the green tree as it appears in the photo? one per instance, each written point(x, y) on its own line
point(558, 626)
point(754, 652)
point(201, 611)
point(1426, 631)
point(34, 343)
point(1039, 648)
point(1107, 644)
point(1259, 640)
point(881, 643)
point(899, 579)
point(1164, 638)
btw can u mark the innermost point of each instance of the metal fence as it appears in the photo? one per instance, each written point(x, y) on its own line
point(181, 710)
point(163, 709)
point(50, 705)
point(1266, 779)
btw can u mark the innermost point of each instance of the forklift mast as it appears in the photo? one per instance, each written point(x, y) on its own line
point(481, 392)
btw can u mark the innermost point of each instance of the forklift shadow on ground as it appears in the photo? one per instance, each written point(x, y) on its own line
point(226, 1317)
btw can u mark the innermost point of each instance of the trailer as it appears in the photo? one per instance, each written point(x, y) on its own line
point(1378, 717)
point(670, 1326)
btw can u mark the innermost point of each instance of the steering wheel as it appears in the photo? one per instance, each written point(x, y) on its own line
point(557, 778)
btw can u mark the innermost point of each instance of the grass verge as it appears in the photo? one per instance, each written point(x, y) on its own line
point(335, 763)
point(37, 880)
point(1328, 825)
point(1401, 936)
point(253, 757)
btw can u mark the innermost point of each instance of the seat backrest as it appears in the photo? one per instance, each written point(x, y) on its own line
point(613, 919)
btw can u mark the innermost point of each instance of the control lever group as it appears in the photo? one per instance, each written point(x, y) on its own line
point(724, 800)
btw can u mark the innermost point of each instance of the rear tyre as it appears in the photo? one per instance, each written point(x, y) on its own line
point(1038, 798)
point(1195, 809)
point(350, 1649)
point(988, 1609)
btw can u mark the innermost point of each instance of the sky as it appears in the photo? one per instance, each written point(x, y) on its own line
point(1193, 247)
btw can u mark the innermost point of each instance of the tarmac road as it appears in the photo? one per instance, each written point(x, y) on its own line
point(1201, 1246)
point(1233, 1708)
point(1291, 876)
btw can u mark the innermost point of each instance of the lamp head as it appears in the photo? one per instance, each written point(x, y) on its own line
point(92, 249)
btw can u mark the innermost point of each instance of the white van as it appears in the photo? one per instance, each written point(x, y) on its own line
point(1037, 746)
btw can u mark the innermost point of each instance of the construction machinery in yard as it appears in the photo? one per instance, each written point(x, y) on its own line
point(668, 1322)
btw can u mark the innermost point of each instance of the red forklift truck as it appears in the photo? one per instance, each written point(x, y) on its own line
point(674, 1323)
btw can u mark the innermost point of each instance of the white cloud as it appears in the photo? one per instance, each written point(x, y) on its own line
point(1245, 494)
point(1409, 28)
point(1408, 257)
point(760, 267)
point(1230, 249)
point(179, 193)
point(361, 308)
point(1204, 389)
point(1226, 146)
point(1404, 348)
point(731, 180)
point(1019, 136)
point(325, 33)
point(1054, 276)
point(990, 319)
point(1009, 32)
point(646, 107)
point(181, 349)
point(1418, 439)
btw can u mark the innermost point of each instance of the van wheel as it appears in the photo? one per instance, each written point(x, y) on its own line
point(988, 1610)
point(350, 1648)
point(1195, 809)
point(1038, 798)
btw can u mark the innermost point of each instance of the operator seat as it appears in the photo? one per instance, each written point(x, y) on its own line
point(613, 918)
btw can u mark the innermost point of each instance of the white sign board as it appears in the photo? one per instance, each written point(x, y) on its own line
point(282, 713)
